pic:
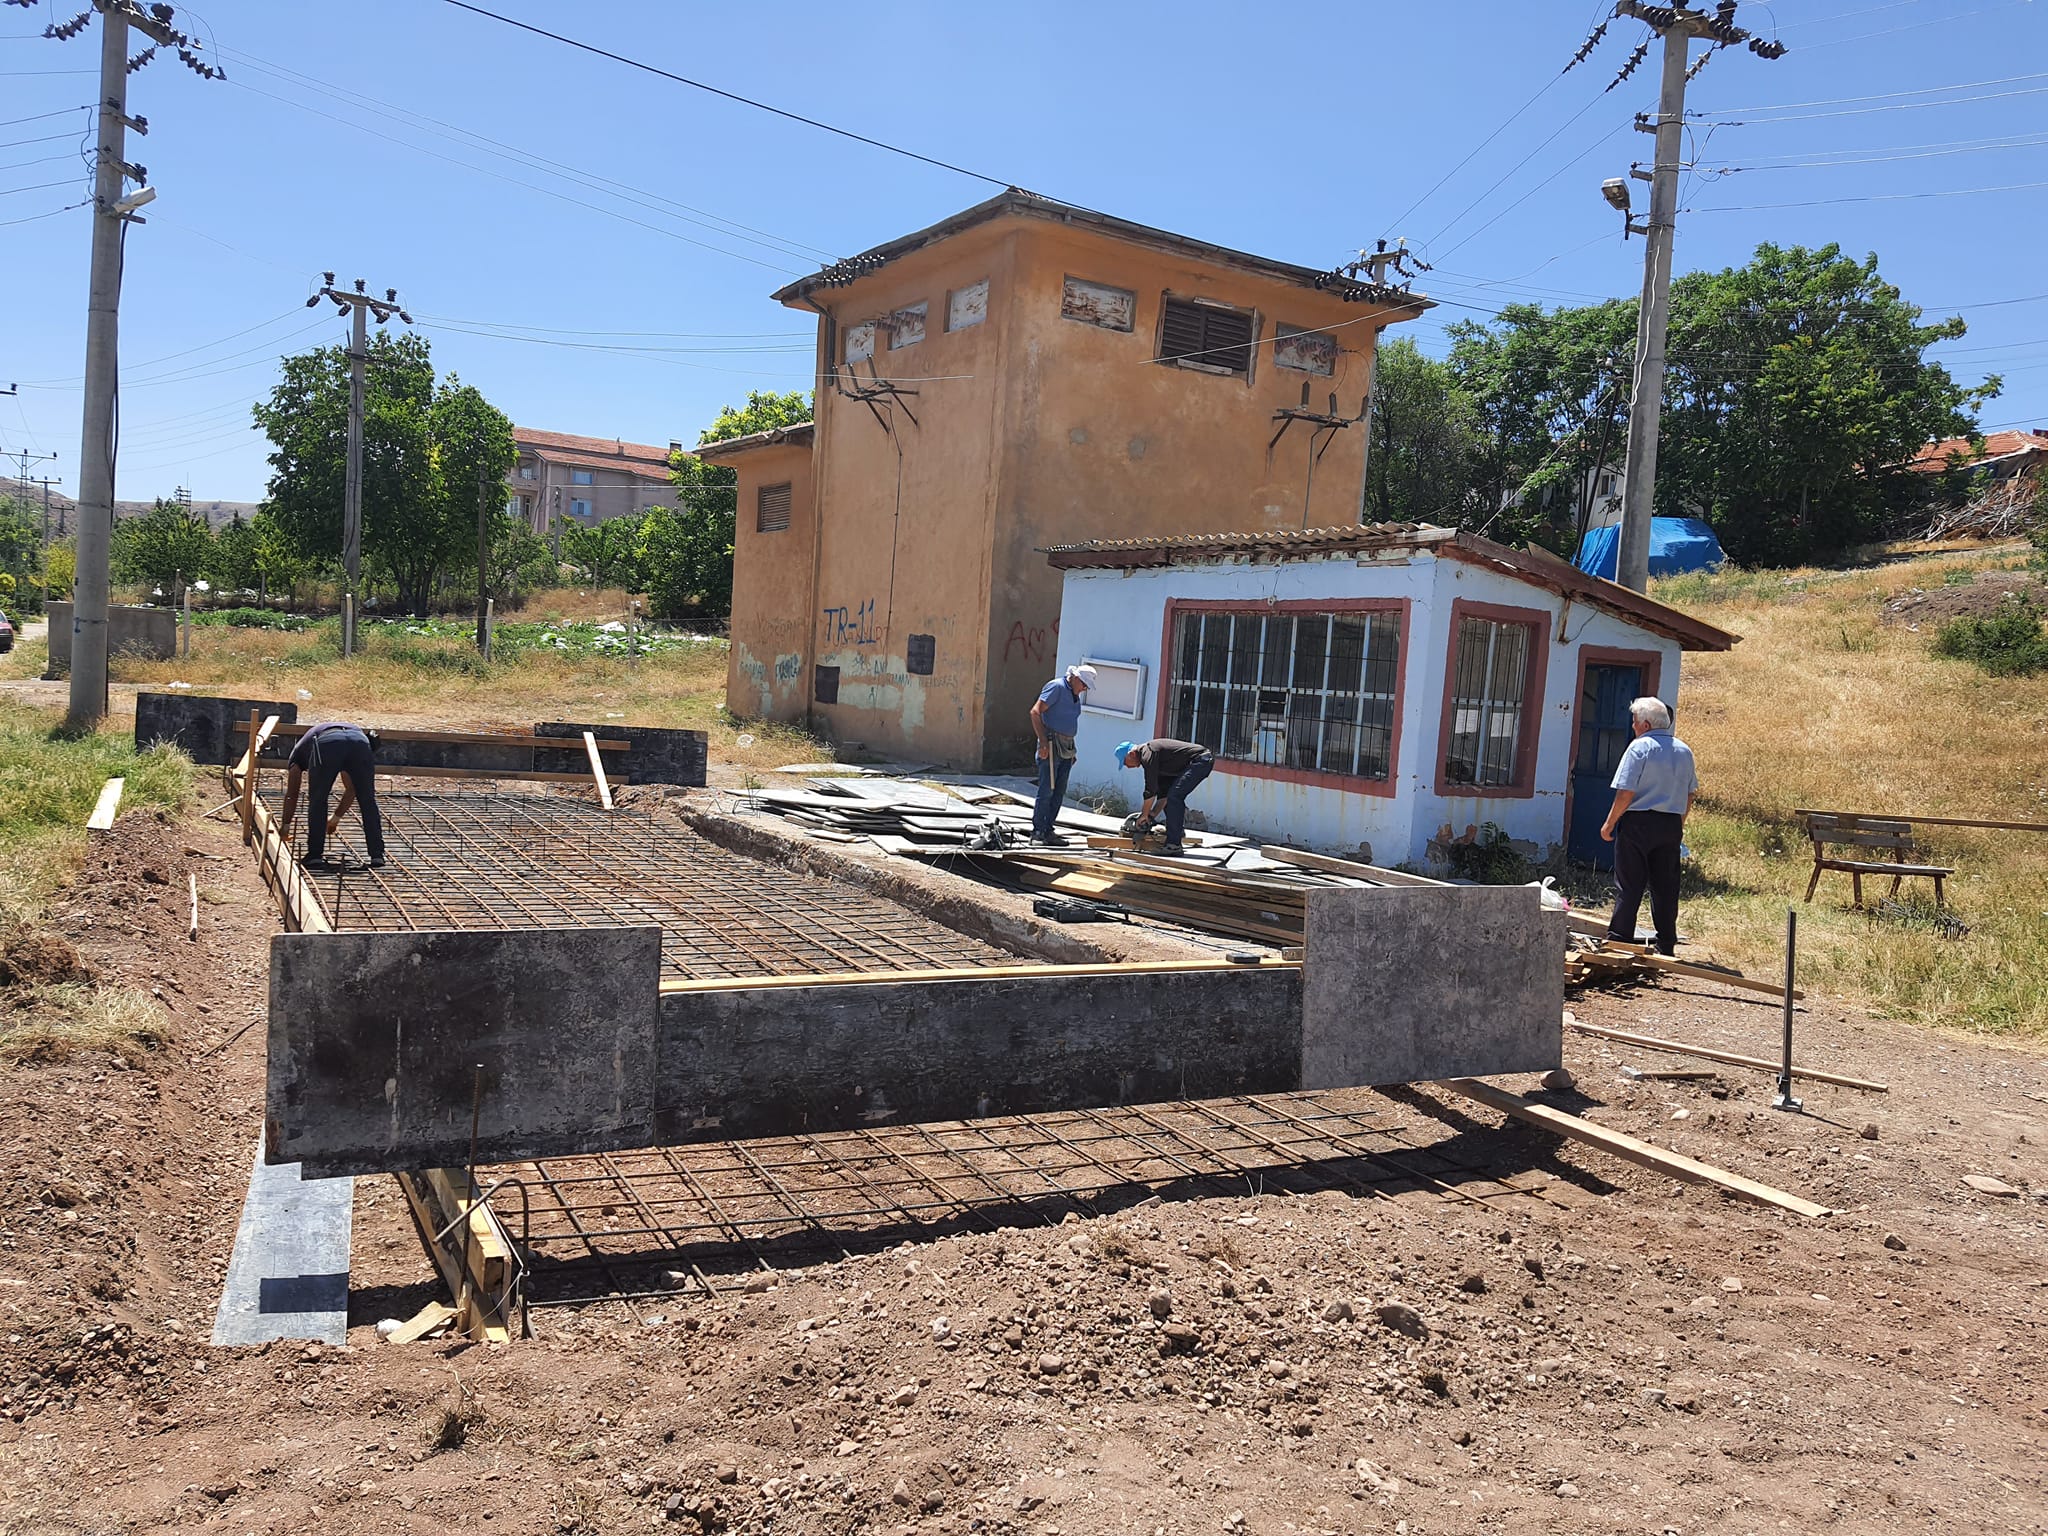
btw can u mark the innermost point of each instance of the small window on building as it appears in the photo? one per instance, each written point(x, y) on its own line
point(920, 655)
point(1194, 335)
point(1114, 309)
point(771, 508)
point(580, 477)
point(860, 342)
point(514, 506)
point(526, 471)
point(1489, 687)
point(1310, 691)
point(825, 684)
point(1306, 351)
point(906, 327)
point(967, 306)
point(580, 508)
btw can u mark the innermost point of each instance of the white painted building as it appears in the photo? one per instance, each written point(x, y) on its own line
point(1381, 692)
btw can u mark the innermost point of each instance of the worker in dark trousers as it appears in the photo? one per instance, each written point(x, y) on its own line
point(328, 752)
point(1654, 785)
point(1173, 770)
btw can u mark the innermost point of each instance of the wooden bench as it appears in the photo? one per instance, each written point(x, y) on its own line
point(1832, 829)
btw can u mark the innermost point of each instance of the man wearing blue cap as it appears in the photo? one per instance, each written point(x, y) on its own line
point(1173, 769)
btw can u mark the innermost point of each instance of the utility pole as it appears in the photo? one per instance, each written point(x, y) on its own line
point(483, 565)
point(22, 459)
point(1677, 25)
point(360, 306)
point(46, 482)
point(112, 213)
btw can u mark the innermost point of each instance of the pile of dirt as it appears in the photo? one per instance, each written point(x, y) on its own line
point(32, 957)
point(1985, 596)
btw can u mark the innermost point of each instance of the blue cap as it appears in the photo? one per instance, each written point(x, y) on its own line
point(1123, 752)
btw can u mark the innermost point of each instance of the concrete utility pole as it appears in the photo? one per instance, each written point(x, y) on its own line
point(112, 212)
point(360, 305)
point(46, 482)
point(483, 565)
point(1677, 25)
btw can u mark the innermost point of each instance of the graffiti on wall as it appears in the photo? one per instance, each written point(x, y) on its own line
point(851, 626)
point(1034, 646)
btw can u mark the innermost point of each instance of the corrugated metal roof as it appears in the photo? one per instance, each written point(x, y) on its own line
point(1166, 548)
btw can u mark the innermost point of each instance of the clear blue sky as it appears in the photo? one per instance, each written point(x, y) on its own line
point(602, 225)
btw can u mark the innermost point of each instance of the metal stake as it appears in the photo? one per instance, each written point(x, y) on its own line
point(1783, 1099)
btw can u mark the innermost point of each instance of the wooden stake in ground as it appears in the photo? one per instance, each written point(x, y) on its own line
point(604, 790)
point(103, 814)
point(192, 889)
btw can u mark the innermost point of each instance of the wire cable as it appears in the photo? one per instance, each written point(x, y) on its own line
point(746, 101)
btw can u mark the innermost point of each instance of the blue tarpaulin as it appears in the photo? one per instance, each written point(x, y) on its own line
point(1677, 544)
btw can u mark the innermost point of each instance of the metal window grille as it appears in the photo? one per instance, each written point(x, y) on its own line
point(1312, 691)
point(1206, 336)
point(771, 508)
point(1489, 683)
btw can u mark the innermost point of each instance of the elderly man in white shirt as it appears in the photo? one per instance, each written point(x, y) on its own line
point(1654, 786)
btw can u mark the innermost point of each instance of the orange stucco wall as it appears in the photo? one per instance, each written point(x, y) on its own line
point(771, 577)
point(1030, 429)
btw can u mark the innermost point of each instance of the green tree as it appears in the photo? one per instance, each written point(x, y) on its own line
point(163, 546)
point(1427, 444)
point(685, 553)
point(473, 452)
point(608, 553)
point(21, 548)
point(423, 448)
point(232, 564)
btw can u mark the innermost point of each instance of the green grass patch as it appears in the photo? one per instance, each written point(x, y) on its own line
point(255, 618)
point(2008, 644)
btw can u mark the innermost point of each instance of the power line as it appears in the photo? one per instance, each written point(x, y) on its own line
point(746, 101)
point(1844, 101)
point(1868, 197)
point(37, 117)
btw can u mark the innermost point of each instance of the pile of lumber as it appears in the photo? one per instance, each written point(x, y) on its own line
point(1595, 961)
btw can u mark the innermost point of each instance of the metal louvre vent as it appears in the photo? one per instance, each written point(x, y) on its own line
point(771, 508)
point(1204, 335)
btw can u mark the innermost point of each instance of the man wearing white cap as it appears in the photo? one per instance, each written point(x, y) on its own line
point(1054, 719)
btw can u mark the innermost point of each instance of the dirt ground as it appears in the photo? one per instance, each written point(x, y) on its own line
point(1987, 594)
point(1623, 1354)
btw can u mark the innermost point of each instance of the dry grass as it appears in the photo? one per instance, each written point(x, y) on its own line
point(1822, 706)
point(54, 1023)
point(421, 681)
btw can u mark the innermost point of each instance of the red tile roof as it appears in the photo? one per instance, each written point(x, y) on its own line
point(1997, 445)
point(608, 451)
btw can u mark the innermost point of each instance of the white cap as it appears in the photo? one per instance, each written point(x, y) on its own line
point(1084, 674)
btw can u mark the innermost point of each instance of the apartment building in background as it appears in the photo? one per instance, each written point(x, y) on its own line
point(1020, 375)
point(561, 479)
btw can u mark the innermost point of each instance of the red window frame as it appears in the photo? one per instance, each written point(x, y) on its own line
point(1537, 622)
point(1320, 778)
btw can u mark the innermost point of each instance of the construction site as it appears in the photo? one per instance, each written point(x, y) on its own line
point(813, 1157)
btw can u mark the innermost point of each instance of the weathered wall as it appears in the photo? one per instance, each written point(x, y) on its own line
point(1123, 614)
point(131, 630)
point(771, 588)
point(903, 539)
point(1104, 441)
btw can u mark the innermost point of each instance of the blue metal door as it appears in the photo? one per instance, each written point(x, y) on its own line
point(1604, 734)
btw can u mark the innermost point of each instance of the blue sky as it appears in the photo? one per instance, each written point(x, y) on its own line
point(603, 264)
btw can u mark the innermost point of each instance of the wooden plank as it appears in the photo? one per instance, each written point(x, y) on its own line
point(192, 890)
point(604, 790)
point(1585, 922)
point(423, 1322)
point(252, 773)
point(1710, 1053)
point(463, 1265)
point(1622, 1145)
point(1935, 821)
point(453, 738)
point(960, 973)
point(524, 774)
point(103, 814)
point(1879, 867)
point(1639, 955)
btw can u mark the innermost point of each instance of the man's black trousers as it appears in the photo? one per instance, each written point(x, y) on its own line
point(1646, 859)
point(336, 753)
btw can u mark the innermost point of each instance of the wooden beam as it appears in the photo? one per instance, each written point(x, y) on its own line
point(103, 814)
point(1933, 821)
point(192, 890)
point(1585, 922)
point(1639, 955)
point(528, 775)
point(473, 1255)
point(251, 772)
point(965, 973)
point(604, 790)
point(455, 738)
point(1709, 1053)
point(1622, 1145)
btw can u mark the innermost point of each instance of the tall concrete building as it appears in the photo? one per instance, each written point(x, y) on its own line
point(563, 480)
point(1021, 375)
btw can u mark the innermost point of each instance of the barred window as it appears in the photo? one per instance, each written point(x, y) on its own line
point(1489, 686)
point(1312, 691)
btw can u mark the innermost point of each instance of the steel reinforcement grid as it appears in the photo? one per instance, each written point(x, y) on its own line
point(523, 860)
point(677, 1222)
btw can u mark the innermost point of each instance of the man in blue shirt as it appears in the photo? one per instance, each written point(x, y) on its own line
point(1654, 785)
point(1054, 719)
